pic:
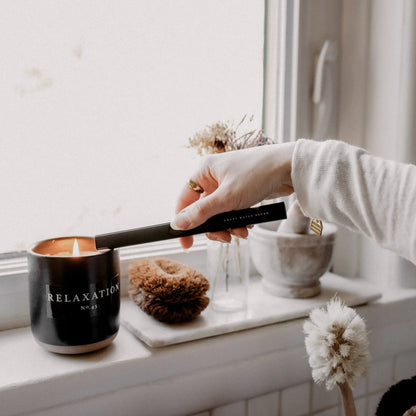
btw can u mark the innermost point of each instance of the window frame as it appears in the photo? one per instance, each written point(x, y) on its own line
point(285, 46)
point(281, 44)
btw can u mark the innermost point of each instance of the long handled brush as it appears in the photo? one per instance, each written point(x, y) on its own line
point(337, 343)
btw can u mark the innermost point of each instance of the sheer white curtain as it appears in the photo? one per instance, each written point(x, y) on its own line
point(387, 120)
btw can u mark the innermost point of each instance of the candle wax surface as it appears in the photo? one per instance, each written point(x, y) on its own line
point(69, 254)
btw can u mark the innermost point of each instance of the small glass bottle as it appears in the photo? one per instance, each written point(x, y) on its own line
point(228, 273)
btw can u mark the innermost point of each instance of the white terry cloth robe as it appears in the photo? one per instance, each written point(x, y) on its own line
point(344, 184)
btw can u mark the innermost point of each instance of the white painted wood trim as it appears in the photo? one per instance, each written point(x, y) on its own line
point(353, 70)
point(280, 69)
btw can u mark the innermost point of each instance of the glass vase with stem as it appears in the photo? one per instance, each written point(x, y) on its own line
point(228, 271)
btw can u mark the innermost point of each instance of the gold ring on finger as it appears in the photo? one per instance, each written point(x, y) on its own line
point(194, 186)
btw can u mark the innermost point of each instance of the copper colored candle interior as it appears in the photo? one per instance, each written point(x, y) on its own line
point(65, 244)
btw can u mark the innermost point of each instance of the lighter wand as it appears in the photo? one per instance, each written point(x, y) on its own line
point(219, 222)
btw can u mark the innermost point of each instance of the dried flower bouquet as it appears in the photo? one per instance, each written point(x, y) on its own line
point(228, 264)
point(223, 136)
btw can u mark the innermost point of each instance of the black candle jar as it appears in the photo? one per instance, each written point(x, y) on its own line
point(74, 298)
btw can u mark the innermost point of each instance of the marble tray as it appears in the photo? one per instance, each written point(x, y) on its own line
point(263, 309)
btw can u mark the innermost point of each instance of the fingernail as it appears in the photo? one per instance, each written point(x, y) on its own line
point(180, 222)
point(223, 240)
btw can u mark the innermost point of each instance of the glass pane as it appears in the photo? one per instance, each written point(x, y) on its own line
point(98, 100)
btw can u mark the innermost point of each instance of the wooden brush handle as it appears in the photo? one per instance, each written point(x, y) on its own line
point(347, 399)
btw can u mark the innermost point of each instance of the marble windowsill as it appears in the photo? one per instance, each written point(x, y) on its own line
point(262, 309)
point(129, 373)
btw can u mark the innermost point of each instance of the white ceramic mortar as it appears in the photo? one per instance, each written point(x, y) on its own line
point(291, 264)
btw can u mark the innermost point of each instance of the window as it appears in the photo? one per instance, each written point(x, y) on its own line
point(98, 101)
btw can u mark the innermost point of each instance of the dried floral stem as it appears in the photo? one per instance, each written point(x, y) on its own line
point(347, 399)
point(221, 259)
point(237, 258)
point(227, 264)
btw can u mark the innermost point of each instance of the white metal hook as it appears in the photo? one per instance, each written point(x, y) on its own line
point(323, 97)
point(328, 53)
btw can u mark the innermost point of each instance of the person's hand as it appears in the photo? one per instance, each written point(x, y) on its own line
point(234, 180)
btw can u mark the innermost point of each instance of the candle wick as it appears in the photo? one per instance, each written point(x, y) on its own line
point(75, 249)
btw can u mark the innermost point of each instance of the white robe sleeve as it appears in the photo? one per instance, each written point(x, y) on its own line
point(345, 185)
